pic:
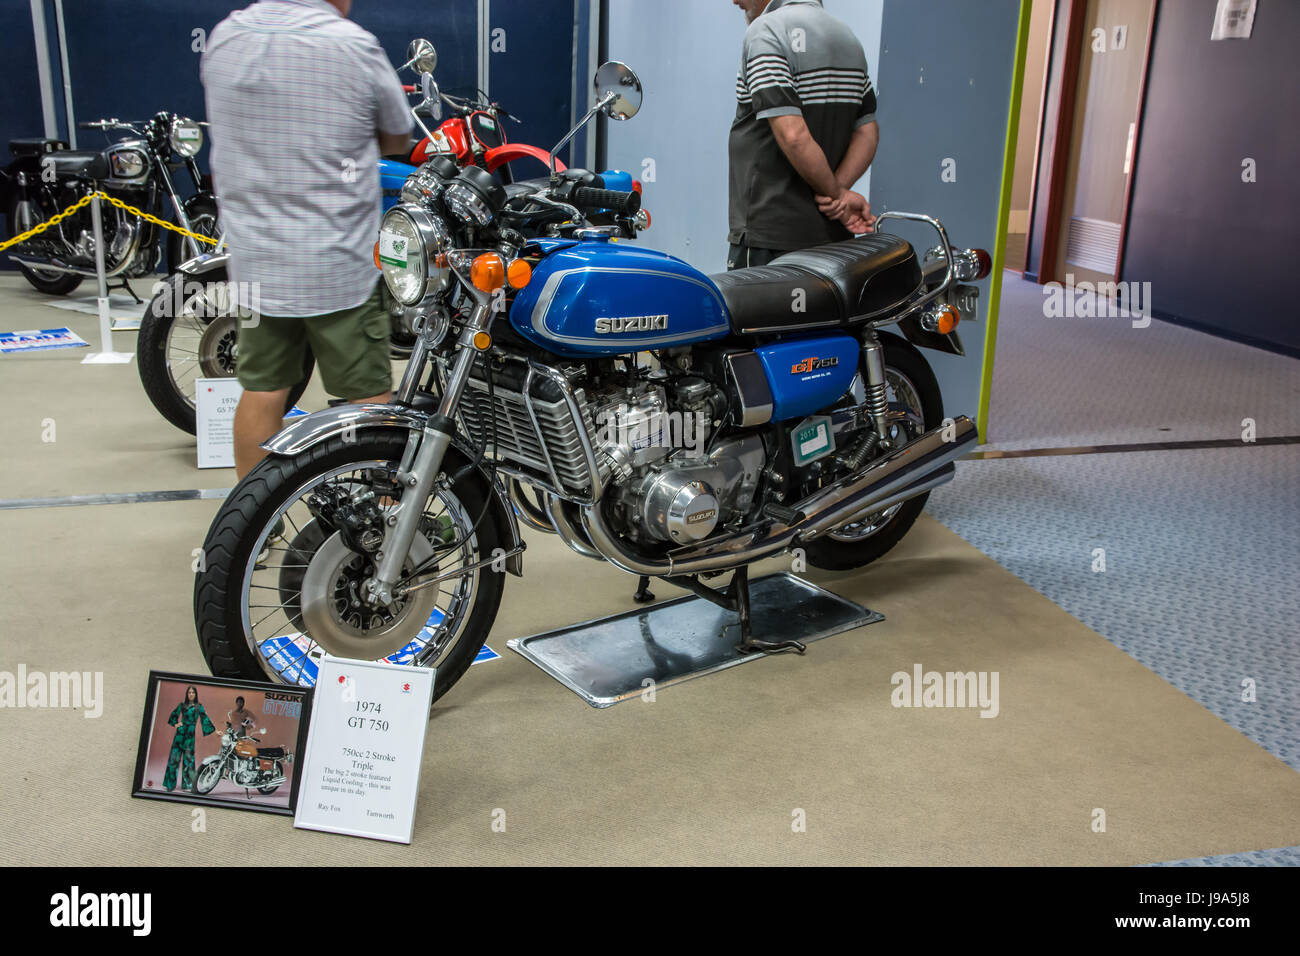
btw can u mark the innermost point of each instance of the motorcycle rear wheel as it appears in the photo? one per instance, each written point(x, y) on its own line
point(443, 626)
point(173, 351)
point(855, 545)
point(49, 282)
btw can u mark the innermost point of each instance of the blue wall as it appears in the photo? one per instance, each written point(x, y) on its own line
point(133, 66)
point(20, 107)
point(946, 69)
point(686, 53)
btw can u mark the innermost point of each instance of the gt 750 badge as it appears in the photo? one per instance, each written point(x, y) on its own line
point(634, 323)
point(812, 364)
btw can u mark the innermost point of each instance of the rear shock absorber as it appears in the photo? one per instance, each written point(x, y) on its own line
point(873, 380)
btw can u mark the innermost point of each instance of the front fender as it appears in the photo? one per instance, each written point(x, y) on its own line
point(206, 263)
point(311, 430)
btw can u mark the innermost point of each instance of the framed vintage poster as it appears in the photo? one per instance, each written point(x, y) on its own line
point(222, 742)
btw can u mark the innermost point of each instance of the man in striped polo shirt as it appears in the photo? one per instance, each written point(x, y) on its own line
point(805, 131)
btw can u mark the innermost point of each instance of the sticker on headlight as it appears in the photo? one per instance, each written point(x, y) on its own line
point(392, 249)
point(188, 134)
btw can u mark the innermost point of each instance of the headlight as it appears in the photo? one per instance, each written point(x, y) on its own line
point(186, 136)
point(127, 164)
point(410, 240)
point(474, 197)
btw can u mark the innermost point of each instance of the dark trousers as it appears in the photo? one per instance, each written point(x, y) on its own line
point(741, 256)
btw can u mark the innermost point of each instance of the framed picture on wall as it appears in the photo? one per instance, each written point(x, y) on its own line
point(222, 742)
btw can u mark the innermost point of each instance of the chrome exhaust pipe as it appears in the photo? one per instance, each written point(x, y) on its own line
point(58, 265)
point(41, 262)
point(904, 473)
point(575, 539)
point(527, 512)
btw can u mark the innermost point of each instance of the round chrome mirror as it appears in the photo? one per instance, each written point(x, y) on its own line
point(421, 55)
point(615, 77)
point(432, 95)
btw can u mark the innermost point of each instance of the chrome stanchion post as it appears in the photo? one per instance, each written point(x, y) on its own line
point(105, 355)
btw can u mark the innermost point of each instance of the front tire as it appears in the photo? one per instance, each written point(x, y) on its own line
point(911, 382)
point(249, 539)
point(209, 775)
point(202, 213)
point(183, 337)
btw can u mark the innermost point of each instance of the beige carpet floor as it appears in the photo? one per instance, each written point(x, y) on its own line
point(712, 772)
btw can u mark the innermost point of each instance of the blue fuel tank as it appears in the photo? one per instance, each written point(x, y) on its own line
point(598, 297)
point(808, 374)
point(392, 176)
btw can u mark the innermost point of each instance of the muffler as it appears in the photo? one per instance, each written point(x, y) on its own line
point(904, 473)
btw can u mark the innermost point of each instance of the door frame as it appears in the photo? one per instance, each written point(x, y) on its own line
point(1062, 121)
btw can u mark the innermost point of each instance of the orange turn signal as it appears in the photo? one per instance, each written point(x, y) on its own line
point(518, 273)
point(482, 341)
point(488, 272)
point(946, 319)
point(378, 265)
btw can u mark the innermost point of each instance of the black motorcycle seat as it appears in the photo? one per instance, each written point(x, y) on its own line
point(82, 164)
point(270, 753)
point(36, 146)
point(839, 283)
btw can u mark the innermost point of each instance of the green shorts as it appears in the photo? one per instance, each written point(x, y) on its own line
point(350, 346)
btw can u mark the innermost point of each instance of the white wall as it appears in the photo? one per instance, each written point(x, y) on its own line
point(687, 53)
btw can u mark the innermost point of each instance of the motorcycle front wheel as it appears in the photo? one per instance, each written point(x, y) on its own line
point(189, 331)
point(281, 588)
point(208, 777)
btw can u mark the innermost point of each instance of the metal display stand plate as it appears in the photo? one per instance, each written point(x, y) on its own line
point(605, 661)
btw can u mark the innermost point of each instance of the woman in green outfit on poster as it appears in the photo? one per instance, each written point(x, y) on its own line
point(184, 718)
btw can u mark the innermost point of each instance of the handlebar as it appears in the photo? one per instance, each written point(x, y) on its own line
point(625, 204)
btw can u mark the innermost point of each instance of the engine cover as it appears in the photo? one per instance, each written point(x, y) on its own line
point(678, 507)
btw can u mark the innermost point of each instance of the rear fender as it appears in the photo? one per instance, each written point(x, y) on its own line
point(311, 430)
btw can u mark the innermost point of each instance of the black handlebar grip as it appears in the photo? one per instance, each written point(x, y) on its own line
point(625, 204)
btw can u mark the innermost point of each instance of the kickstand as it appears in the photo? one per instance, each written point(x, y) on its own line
point(738, 591)
point(131, 292)
point(643, 594)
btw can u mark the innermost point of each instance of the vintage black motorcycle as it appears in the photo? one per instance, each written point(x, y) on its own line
point(46, 177)
point(674, 424)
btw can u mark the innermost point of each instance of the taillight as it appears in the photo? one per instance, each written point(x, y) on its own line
point(985, 263)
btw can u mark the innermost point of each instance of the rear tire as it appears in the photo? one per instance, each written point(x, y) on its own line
point(174, 398)
point(831, 554)
point(51, 283)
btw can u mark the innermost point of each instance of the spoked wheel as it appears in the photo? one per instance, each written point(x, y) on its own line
point(190, 331)
point(283, 587)
point(23, 216)
point(917, 406)
point(208, 777)
point(274, 787)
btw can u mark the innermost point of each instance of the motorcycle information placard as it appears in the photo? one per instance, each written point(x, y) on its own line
point(215, 400)
point(361, 773)
point(38, 340)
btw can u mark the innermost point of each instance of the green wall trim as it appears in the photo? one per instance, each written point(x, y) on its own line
point(1004, 212)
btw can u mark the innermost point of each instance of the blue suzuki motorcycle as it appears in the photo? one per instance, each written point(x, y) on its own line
point(673, 424)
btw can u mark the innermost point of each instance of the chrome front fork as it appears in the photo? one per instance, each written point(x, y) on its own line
point(418, 474)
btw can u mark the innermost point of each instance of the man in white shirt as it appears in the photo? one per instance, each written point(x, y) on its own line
point(302, 103)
